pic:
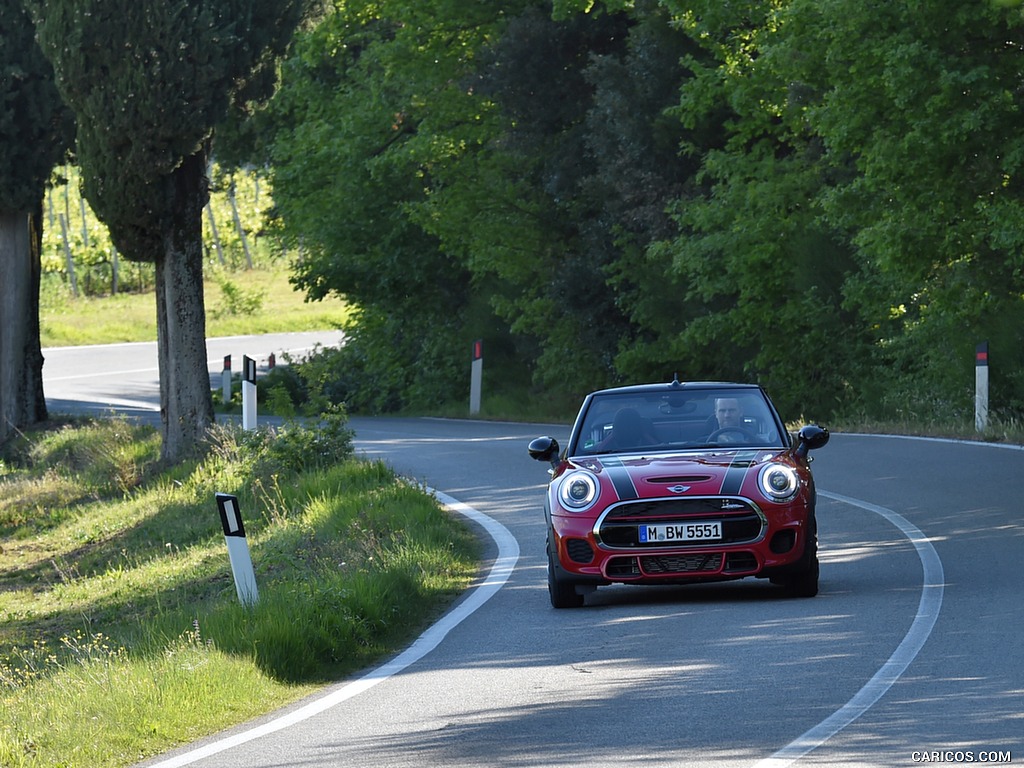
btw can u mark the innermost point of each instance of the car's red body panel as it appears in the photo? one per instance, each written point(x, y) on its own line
point(711, 480)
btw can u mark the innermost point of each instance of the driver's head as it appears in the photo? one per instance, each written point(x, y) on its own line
point(728, 413)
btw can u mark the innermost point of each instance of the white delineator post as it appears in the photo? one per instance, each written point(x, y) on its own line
point(476, 377)
point(981, 387)
point(238, 549)
point(248, 393)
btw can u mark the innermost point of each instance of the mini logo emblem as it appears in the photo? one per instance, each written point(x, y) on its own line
point(679, 488)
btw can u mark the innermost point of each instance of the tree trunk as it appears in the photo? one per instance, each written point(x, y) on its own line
point(35, 404)
point(21, 360)
point(186, 401)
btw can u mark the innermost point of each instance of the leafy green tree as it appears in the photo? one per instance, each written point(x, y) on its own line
point(524, 211)
point(376, 106)
point(865, 204)
point(148, 82)
point(561, 9)
point(35, 129)
point(926, 104)
point(639, 171)
point(759, 260)
point(507, 162)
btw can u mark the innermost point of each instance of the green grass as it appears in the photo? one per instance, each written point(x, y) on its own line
point(121, 634)
point(238, 303)
point(998, 430)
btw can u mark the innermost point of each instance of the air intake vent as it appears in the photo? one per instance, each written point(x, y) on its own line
point(662, 565)
point(579, 551)
point(740, 562)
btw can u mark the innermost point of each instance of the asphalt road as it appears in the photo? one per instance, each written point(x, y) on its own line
point(124, 377)
point(912, 652)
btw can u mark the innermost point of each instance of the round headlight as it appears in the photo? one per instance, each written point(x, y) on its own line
point(779, 482)
point(578, 491)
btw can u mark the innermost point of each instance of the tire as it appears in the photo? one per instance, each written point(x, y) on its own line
point(803, 581)
point(562, 592)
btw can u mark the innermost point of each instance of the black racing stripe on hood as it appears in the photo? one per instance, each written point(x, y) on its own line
point(733, 480)
point(620, 478)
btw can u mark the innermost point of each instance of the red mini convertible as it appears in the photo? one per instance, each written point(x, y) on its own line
point(679, 483)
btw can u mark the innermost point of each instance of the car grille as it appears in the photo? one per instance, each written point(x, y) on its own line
point(725, 563)
point(742, 522)
point(699, 506)
point(659, 565)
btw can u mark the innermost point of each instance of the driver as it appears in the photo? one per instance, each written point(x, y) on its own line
point(728, 412)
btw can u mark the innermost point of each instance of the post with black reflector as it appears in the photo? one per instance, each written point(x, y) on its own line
point(238, 549)
point(476, 377)
point(225, 381)
point(981, 387)
point(248, 393)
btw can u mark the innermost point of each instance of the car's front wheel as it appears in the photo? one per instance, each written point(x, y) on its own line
point(561, 590)
point(803, 580)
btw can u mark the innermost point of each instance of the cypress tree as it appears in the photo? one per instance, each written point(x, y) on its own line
point(35, 130)
point(148, 81)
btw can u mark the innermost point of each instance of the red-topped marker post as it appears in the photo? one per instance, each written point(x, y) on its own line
point(981, 387)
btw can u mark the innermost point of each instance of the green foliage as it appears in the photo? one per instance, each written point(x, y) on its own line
point(391, 182)
point(385, 365)
point(927, 107)
point(236, 301)
point(373, 109)
point(764, 270)
point(835, 180)
point(35, 126)
point(285, 386)
point(619, 191)
point(70, 225)
point(528, 211)
point(148, 82)
point(279, 401)
point(320, 446)
point(296, 446)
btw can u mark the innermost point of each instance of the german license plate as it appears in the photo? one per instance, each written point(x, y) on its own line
point(667, 534)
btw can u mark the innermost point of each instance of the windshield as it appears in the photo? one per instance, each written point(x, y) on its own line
point(677, 420)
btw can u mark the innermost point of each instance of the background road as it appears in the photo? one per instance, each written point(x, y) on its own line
point(124, 377)
point(728, 674)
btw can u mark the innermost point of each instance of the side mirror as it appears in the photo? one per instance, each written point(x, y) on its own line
point(544, 449)
point(810, 438)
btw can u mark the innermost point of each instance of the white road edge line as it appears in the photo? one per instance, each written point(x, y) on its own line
point(927, 612)
point(508, 555)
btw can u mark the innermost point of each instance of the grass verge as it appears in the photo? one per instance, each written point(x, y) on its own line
point(254, 301)
point(121, 634)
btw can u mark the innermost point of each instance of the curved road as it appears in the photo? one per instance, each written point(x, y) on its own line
point(124, 377)
point(911, 653)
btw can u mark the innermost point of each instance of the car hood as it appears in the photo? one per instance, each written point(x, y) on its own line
point(717, 473)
